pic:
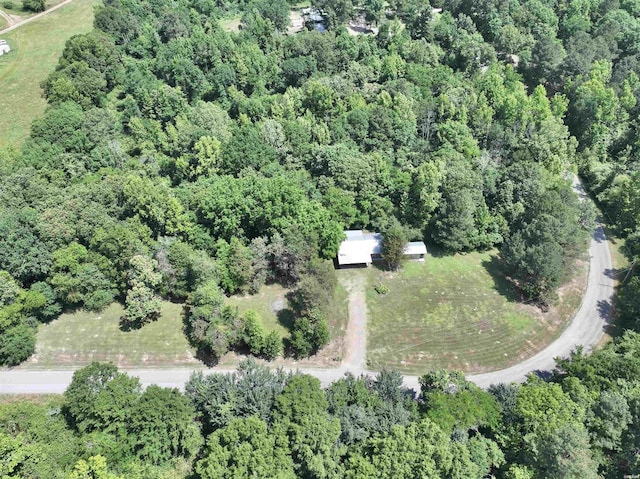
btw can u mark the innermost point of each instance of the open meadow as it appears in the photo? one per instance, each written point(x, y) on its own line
point(457, 312)
point(76, 339)
point(35, 49)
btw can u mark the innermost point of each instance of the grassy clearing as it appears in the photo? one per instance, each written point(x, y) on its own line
point(231, 24)
point(76, 339)
point(79, 338)
point(36, 48)
point(271, 305)
point(457, 312)
point(273, 308)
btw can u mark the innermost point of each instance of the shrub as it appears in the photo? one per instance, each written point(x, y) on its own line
point(8, 5)
point(33, 5)
point(272, 345)
point(381, 288)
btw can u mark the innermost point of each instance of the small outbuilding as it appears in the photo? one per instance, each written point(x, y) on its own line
point(362, 248)
point(4, 47)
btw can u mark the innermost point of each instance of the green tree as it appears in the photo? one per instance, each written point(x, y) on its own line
point(301, 410)
point(162, 426)
point(17, 343)
point(394, 242)
point(142, 304)
point(246, 448)
point(100, 398)
point(95, 467)
point(33, 5)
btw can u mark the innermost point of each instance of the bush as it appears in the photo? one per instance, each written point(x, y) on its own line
point(17, 344)
point(8, 5)
point(272, 346)
point(254, 335)
point(381, 288)
point(310, 333)
point(33, 5)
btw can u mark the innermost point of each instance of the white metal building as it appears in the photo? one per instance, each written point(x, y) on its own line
point(365, 248)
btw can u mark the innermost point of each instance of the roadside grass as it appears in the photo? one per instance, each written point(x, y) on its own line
point(458, 312)
point(273, 308)
point(3, 23)
point(39, 399)
point(76, 339)
point(35, 49)
point(621, 265)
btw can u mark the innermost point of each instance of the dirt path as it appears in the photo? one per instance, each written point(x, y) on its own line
point(356, 337)
point(7, 17)
point(30, 19)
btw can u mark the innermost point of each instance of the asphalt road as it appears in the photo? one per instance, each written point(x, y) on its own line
point(586, 329)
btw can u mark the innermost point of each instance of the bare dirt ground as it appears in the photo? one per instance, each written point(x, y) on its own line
point(296, 22)
point(356, 336)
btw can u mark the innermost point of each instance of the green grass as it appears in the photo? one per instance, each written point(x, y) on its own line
point(270, 304)
point(454, 312)
point(35, 49)
point(79, 338)
point(273, 308)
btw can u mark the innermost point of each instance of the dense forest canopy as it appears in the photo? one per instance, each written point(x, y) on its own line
point(178, 160)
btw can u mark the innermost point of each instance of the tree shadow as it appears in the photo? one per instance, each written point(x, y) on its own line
point(543, 374)
point(207, 357)
point(286, 317)
point(606, 311)
point(502, 284)
point(436, 251)
point(126, 325)
point(612, 273)
point(598, 235)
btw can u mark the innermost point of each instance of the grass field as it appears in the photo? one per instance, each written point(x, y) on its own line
point(36, 48)
point(79, 338)
point(270, 304)
point(456, 312)
point(273, 308)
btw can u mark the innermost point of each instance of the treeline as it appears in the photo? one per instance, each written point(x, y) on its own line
point(177, 160)
point(588, 52)
point(582, 422)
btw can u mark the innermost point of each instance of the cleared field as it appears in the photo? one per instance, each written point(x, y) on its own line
point(76, 339)
point(36, 48)
point(79, 338)
point(457, 312)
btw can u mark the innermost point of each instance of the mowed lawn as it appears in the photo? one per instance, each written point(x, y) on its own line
point(453, 312)
point(79, 338)
point(270, 304)
point(273, 308)
point(35, 49)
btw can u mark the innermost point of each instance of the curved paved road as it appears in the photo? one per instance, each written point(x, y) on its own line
point(586, 329)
